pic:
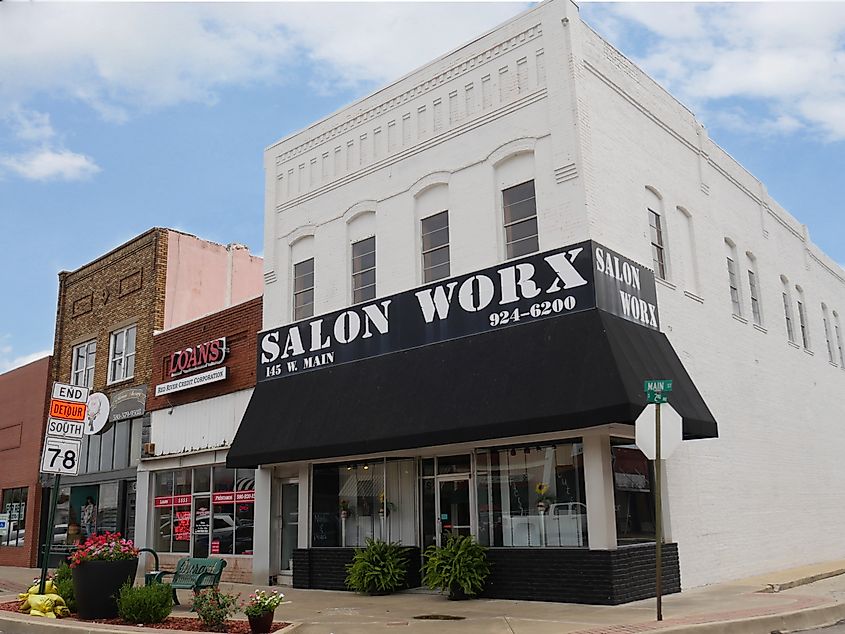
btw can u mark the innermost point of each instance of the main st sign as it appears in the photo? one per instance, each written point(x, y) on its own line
point(563, 281)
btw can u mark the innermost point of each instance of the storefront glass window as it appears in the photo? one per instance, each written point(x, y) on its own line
point(107, 449)
point(191, 520)
point(202, 480)
point(121, 444)
point(633, 493)
point(93, 453)
point(353, 502)
point(532, 496)
point(14, 503)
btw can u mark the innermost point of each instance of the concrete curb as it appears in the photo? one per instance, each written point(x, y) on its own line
point(778, 587)
point(11, 623)
point(808, 618)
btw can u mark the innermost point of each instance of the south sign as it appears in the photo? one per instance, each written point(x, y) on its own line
point(563, 281)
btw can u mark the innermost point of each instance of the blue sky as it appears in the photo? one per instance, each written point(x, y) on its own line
point(121, 117)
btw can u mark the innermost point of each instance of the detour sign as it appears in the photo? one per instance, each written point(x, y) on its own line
point(67, 410)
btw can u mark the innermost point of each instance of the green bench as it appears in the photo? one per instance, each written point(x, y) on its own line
point(194, 574)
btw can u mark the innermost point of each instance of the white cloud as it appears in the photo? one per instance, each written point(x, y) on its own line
point(29, 125)
point(50, 164)
point(784, 63)
point(8, 360)
point(120, 58)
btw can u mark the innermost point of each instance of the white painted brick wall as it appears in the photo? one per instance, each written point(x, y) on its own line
point(765, 494)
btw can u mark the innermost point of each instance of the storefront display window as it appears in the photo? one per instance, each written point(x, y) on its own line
point(633, 493)
point(532, 496)
point(353, 502)
point(14, 504)
point(205, 511)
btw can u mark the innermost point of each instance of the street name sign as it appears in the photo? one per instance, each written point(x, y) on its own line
point(657, 391)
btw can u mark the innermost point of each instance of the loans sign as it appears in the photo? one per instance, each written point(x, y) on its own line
point(556, 283)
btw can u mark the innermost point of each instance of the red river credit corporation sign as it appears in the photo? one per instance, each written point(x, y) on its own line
point(552, 284)
point(187, 363)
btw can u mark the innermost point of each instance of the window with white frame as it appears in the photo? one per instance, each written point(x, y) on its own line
point(838, 330)
point(435, 247)
point(734, 286)
point(364, 270)
point(303, 289)
point(520, 220)
point(787, 310)
point(802, 319)
point(658, 248)
point(827, 335)
point(84, 357)
point(122, 354)
point(754, 292)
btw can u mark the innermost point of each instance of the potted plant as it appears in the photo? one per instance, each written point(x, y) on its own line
point(460, 567)
point(380, 568)
point(344, 509)
point(260, 610)
point(543, 501)
point(99, 568)
point(385, 506)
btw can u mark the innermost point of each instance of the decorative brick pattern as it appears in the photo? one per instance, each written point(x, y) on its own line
point(325, 568)
point(574, 575)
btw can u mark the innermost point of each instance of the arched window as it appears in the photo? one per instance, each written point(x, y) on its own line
point(754, 289)
point(733, 277)
point(684, 243)
point(827, 334)
point(787, 309)
point(802, 318)
point(837, 327)
point(515, 181)
point(432, 208)
point(302, 277)
point(361, 230)
point(657, 233)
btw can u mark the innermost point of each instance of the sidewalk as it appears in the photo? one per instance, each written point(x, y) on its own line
point(740, 607)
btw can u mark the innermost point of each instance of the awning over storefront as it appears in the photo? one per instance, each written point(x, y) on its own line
point(577, 371)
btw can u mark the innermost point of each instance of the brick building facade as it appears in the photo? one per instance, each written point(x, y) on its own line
point(205, 373)
point(24, 397)
point(107, 313)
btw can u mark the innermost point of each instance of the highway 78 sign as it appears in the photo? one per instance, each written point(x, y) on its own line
point(65, 427)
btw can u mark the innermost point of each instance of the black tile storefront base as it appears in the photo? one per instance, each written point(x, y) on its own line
point(574, 575)
point(566, 575)
point(325, 568)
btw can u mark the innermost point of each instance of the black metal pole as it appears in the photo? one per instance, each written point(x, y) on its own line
point(48, 539)
point(658, 520)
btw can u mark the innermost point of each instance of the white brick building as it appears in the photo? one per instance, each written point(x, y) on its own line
point(544, 99)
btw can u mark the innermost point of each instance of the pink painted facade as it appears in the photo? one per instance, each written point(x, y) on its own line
point(204, 277)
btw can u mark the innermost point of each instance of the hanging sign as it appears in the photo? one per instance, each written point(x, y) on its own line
point(548, 285)
point(128, 403)
point(98, 413)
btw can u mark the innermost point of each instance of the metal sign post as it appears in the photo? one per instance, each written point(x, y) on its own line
point(68, 410)
point(657, 392)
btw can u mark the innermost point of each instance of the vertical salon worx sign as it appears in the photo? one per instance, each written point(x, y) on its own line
point(555, 283)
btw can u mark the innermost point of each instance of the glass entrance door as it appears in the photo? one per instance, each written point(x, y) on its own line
point(290, 524)
point(454, 515)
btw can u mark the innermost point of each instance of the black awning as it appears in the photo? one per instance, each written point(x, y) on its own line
point(577, 371)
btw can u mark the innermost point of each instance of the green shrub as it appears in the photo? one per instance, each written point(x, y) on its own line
point(460, 567)
point(214, 607)
point(380, 568)
point(64, 586)
point(145, 604)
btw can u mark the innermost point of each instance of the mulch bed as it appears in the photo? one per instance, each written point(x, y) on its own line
point(186, 624)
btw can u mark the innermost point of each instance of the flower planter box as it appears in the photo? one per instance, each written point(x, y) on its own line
point(97, 583)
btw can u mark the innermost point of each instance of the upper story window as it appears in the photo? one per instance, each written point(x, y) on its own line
point(787, 310)
point(435, 247)
point(734, 285)
point(364, 270)
point(754, 289)
point(802, 320)
point(303, 289)
point(827, 335)
point(84, 357)
point(122, 354)
point(838, 331)
point(520, 207)
point(658, 248)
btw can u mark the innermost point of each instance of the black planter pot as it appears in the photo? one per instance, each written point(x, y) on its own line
point(456, 593)
point(261, 624)
point(96, 585)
